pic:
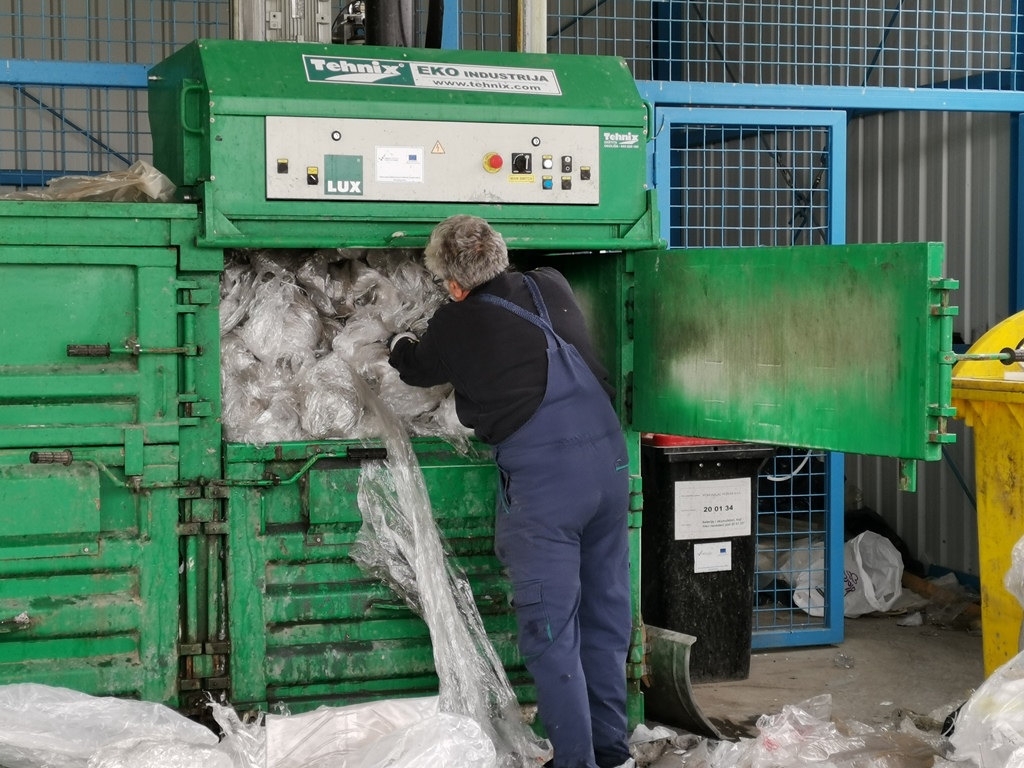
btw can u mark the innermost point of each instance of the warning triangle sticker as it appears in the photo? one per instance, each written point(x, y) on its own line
point(438, 149)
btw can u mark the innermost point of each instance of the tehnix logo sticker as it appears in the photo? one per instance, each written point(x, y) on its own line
point(336, 69)
point(343, 175)
point(615, 140)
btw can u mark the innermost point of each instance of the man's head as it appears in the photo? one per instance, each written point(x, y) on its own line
point(465, 250)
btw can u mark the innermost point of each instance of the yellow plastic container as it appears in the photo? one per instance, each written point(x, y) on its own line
point(989, 397)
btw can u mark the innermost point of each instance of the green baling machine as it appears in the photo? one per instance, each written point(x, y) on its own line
point(143, 555)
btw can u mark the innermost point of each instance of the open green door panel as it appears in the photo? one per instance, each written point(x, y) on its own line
point(843, 348)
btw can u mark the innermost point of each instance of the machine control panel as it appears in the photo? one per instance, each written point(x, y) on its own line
point(321, 158)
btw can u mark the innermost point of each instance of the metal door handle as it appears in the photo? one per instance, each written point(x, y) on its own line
point(18, 623)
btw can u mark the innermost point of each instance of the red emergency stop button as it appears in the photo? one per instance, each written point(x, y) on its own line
point(493, 162)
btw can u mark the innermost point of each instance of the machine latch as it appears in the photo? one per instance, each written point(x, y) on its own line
point(131, 347)
point(367, 454)
point(196, 409)
point(51, 457)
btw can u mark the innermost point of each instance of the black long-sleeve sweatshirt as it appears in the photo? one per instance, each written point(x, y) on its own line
point(496, 361)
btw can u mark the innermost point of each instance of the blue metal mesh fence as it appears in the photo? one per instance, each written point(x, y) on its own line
point(945, 43)
point(48, 132)
point(113, 31)
point(49, 127)
point(486, 25)
point(792, 538)
point(748, 186)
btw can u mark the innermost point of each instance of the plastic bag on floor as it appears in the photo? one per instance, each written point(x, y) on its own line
point(873, 574)
point(59, 728)
point(990, 727)
point(804, 735)
point(152, 753)
point(395, 733)
point(452, 741)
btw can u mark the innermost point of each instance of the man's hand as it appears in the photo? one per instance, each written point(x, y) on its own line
point(398, 337)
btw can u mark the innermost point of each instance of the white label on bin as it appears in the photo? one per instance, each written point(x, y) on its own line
point(712, 509)
point(712, 556)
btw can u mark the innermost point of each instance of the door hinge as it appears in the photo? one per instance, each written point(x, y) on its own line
point(627, 398)
point(636, 501)
point(636, 666)
point(630, 311)
point(204, 670)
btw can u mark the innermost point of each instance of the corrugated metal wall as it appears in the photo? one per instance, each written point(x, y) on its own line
point(942, 177)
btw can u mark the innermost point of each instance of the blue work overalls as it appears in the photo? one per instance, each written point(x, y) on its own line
point(561, 531)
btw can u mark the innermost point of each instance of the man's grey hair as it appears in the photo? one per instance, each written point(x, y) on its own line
point(466, 249)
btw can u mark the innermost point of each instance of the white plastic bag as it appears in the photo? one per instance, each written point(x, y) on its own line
point(803, 568)
point(873, 574)
point(295, 740)
point(990, 727)
point(42, 725)
point(155, 753)
point(1014, 583)
point(398, 733)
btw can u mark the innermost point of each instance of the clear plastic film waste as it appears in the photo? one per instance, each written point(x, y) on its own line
point(804, 734)
point(400, 543)
point(60, 728)
point(989, 729)
point(140, 183)
point(296, 326)
point(396, 733)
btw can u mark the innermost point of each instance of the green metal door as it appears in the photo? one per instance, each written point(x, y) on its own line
point(107, 421)
point(845, 348)
point(307, 626)
point(89, 575)
point(75, 280)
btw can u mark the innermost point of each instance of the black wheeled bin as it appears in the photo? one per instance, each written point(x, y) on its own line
point(698, 544)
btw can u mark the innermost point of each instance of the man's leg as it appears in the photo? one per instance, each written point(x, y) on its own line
point(605, 618)
point(540, 547)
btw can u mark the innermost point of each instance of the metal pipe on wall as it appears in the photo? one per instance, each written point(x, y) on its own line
point(531, 25)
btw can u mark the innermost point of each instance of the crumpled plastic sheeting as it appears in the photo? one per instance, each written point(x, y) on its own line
point(989, 730)
point(59, 728)
point(152, 753)
point(1014, 578)
point(140, 183)
point(244, 745)
point(454, 741)
point(399, 543)
point(297, 325)
point(805, 735)
point(397, 733)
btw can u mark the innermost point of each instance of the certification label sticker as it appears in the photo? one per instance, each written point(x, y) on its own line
point(712, 509)
point(400, 164)
point(712, 556)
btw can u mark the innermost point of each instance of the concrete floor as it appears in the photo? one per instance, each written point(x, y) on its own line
point(880, 671)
